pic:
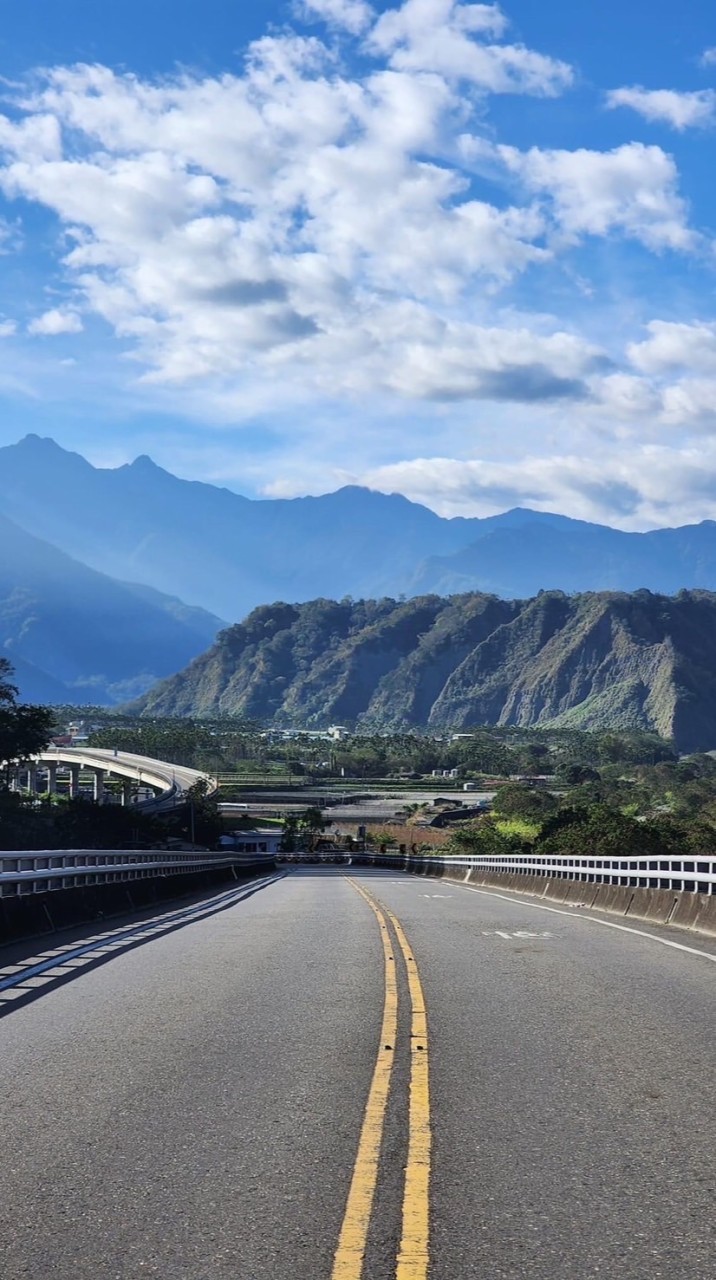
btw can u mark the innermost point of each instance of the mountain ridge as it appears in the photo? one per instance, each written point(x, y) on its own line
point(228, 553)
point(76, 635)
point(592, 660)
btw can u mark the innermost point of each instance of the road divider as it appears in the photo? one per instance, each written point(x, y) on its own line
point(413, 1252)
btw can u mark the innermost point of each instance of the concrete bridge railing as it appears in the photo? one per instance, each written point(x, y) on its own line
point(679, 891)
point(45, 870)
point(685, 875)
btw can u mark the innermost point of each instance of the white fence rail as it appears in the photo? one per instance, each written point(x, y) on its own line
point(688, 875)
point(41, 871)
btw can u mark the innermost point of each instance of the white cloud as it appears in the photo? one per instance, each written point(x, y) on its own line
point(632, 189)
point(291, 225)
point(691, 402)
point(636, 487)
point(672, 346)
point(680, 110)
point(708, 57)
point(468, 362)
point(349, 15)
point(439, 36)
point(315, 245)
point(7, 328)
point(56, 321)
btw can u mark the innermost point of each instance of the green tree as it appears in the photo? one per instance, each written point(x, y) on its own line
point(25, 730)
point(516, 800)
point(203, 825)
point(311, 821)
point(290, 833)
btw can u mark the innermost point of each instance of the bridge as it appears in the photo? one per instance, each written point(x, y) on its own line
point(170, 783)
point(398, 1069)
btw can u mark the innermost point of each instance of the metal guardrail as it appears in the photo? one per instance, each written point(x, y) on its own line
point(688, 875)
point(44, 870)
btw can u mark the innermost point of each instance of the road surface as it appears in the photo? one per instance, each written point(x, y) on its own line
point(250, 1090)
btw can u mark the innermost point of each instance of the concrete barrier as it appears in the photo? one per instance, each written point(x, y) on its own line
point(706, 919)
point(32, 914)
point(614, 898)
point(23, 917)
point(557, 890)
point(581, 893)
point(695, 911)
point(687, 910)
point(656, 905)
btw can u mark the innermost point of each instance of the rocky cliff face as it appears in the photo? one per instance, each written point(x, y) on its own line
point(596, 660)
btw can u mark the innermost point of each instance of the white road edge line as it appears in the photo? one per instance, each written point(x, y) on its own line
point(578, 915)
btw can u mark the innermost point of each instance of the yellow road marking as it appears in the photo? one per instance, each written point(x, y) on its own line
point(349, 1256)
point(413, 1255)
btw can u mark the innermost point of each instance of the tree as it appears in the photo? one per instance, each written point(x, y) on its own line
point(312, 821)
point(516, 800)
point(204, 818)
point(25, 730)
point(290, 831)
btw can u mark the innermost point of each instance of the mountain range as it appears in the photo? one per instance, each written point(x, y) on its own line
point(227, 554)
point(175, 557)
point(74, 635)
point(592, 661)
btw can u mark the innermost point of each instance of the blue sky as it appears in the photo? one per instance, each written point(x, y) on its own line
point(460, 251)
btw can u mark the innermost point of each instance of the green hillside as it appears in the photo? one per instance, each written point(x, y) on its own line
point(594, 661)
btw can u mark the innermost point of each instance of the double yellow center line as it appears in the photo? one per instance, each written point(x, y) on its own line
point(412, 1261)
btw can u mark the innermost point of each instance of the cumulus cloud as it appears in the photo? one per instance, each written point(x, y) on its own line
point(295, 222)
point(634, 488)
point(56, 321)
point(680, 110)
point(672, 346)
point(317, 232)
point(438, 36)
point(469, 362)
point(708, 57)
point(632, 189)
point(349, 15)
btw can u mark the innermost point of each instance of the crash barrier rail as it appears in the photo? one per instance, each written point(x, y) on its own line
point(687, 875)
point(41, 871)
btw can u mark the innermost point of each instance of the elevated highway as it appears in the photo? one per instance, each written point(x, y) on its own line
point(360, 1074)
point(169, 782)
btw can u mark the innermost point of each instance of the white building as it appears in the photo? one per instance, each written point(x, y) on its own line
point(256, 841)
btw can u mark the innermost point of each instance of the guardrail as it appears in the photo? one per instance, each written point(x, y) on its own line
point(687, 875)
point(44, 870)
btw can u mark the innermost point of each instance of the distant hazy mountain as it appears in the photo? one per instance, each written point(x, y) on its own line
point(590, 661)
point(523, 552)
point(212, 547)
point(227, 553)
point(74, 635)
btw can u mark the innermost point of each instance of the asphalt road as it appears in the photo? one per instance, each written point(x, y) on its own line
point(199, 1102)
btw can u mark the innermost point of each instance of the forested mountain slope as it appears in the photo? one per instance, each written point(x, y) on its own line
point(75, 635)
point(595, 660)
